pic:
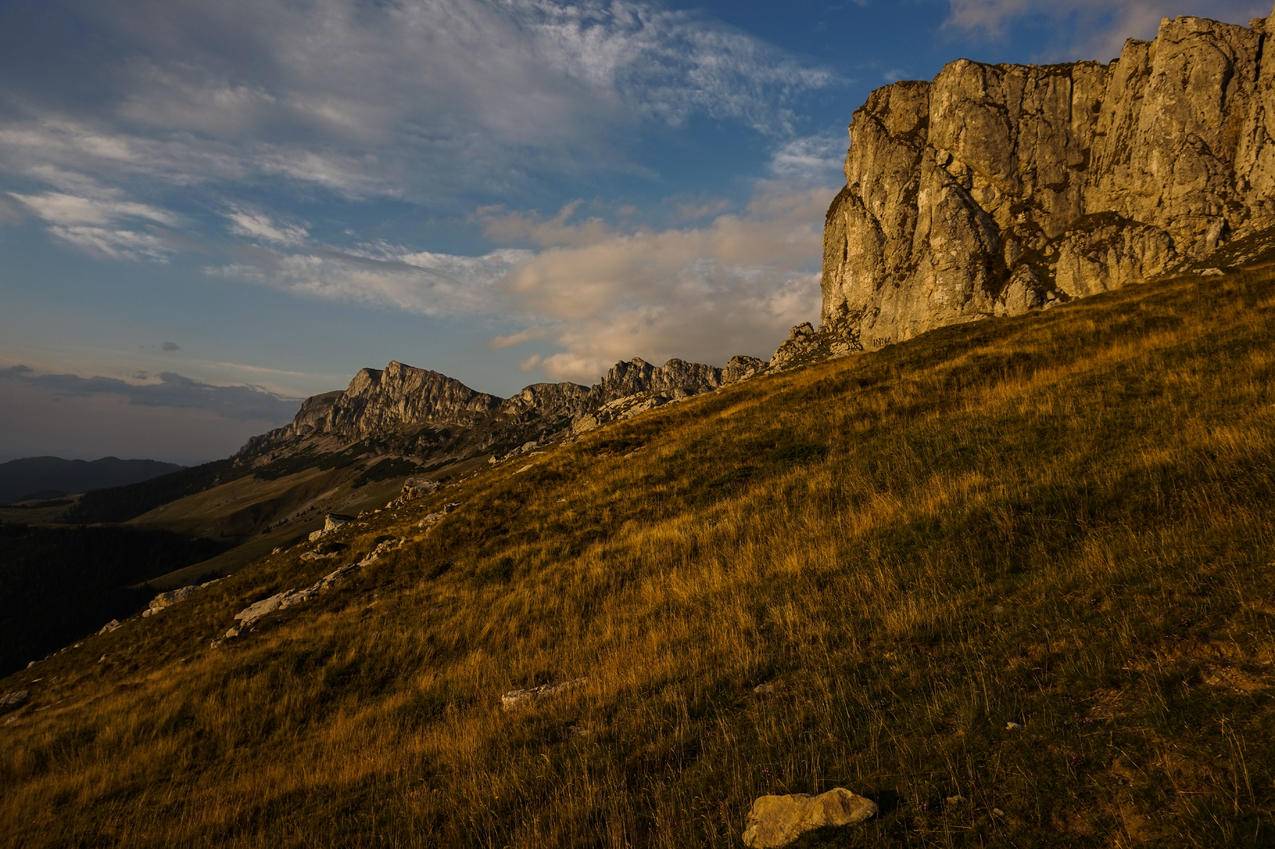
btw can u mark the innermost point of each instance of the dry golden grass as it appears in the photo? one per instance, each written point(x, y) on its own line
point(1062, 520)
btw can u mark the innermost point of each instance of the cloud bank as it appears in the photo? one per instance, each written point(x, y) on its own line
point(167, 417)
point(167, 389)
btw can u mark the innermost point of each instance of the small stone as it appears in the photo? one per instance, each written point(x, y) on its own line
point(777, 821)
point(109, 626)
point(519, 698)
point(14, 699)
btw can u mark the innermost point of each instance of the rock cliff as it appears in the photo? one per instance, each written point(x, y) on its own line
point(995, 189)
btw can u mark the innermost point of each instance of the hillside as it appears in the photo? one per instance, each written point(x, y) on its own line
point(59, 584)
point(50, 477)
point(1010, 579)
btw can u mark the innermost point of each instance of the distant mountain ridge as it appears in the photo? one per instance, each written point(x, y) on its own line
point(51, 477)
point(386, 404)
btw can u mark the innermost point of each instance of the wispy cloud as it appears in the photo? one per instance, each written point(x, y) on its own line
point(430, 96)
point(254, 224)
point(382, 275)
point(104, 223)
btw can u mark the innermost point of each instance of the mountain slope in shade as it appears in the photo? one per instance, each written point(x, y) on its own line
point(48, 477)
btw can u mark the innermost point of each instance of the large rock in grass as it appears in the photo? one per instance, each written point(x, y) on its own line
point(776, 821)
point(995, 189)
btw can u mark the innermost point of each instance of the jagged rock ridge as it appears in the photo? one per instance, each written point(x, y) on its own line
point(380, 403)
point(995, 189)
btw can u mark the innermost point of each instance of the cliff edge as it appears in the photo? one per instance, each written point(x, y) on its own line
point(995, 189)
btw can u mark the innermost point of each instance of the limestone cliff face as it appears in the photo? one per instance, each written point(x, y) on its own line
point(995, 189)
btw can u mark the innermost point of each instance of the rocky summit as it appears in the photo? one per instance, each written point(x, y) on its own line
point(995, 189)
point(386, 404)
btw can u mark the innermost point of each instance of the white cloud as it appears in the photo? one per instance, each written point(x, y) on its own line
point(54, 144)
point(381, 275)
point(430, 98)
point(1100, 26)
point(106, 224)
point(60, 208)
point(254, 224)
point(593, 294)
point(732, 285)
point(115, 243)
point(546, 231)
point(809, 159)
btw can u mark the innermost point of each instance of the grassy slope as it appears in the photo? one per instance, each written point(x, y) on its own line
point(1062, 520)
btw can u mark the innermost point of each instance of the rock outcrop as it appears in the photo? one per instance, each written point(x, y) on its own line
point(995, 189)
point(380, 401)
point(163, 601)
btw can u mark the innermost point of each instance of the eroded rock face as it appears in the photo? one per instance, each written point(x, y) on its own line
point(995, 189)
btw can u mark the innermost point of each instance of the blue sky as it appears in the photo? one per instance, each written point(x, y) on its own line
point(211, 209)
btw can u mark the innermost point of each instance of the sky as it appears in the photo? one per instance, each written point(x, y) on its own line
point(210, 209)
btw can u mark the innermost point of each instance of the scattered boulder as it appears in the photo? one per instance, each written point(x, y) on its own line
point(324, 550)
point(414, 487)
point(521, 698)
point(110, 626)
point(382, 548)
point(13, 700)
point(258, 610)
point(430, 519)
point(331, 522)
point(776, 821)
point(168, 599)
